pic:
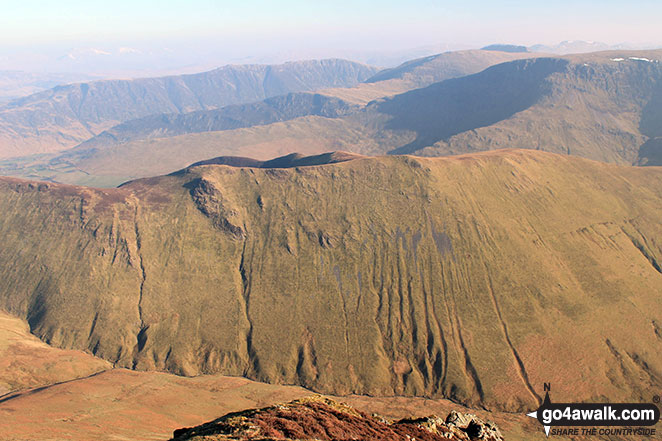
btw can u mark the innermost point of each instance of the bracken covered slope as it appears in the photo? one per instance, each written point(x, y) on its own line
point(476, 278)
point(322, 419)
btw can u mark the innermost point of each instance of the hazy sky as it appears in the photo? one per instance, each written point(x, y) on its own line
point(94, 36)
point(340, 22)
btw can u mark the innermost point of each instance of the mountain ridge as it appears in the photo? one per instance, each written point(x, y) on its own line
point(497, 258)
point(603, 106)
point(67, 115)
point(268, 111)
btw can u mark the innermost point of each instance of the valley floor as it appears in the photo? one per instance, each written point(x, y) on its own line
point(90, 400)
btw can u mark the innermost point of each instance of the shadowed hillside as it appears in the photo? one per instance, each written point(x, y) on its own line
point(602, 106)
point(68, 115)
point(389, 275)
point(271, 110)
point(445, 109)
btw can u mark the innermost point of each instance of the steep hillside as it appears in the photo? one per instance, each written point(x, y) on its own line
point(67, 115)
point(60, 394)
point(445, 109)
point(475, 278)
point(602, 106)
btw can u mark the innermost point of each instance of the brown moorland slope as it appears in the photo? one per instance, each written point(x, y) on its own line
point(475, 278)
point(58, 399)
point(27, 362)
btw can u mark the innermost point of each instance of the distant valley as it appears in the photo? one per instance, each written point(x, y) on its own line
point(16, 84)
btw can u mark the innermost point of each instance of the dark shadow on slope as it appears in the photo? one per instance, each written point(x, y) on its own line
point(271, 110)
point(650, 123)
point(454, 106)
point(650, 153)
point(288, 161)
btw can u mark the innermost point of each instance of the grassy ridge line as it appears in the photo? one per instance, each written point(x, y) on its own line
point(461, 277)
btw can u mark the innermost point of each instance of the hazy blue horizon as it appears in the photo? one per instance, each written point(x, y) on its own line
point(97, 37)
point(418, 21)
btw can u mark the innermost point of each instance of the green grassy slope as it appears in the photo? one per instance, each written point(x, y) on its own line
point(475, 278)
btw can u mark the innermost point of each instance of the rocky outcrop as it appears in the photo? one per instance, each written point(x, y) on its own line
point(323, 419)
point(209, 200)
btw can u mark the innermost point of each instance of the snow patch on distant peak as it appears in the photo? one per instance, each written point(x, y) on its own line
point(643, 59)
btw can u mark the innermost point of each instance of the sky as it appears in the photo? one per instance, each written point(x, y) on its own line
point(254, 29)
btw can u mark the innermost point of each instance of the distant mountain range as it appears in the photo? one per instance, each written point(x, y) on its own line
point(580, 47)
point(428, 70)
point(603, 106)
point(67, 115)
point(16, 84)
